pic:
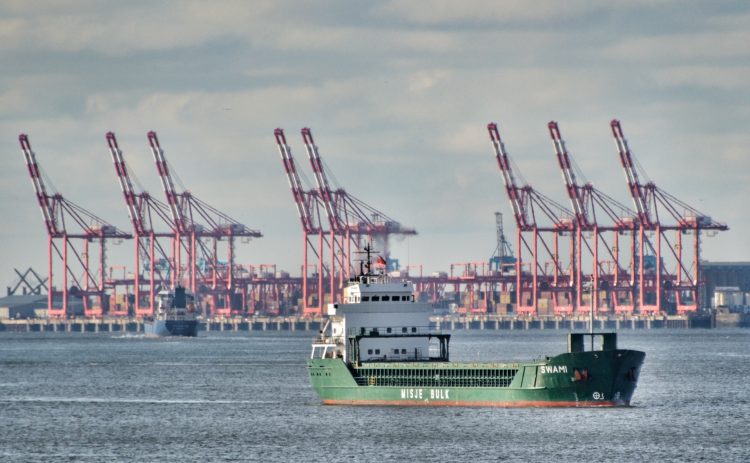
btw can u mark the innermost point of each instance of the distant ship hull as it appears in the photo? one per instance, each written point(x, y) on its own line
point(161, 327)
point(560, 381)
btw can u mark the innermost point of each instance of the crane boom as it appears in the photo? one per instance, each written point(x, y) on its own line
point(514, 193)
point(631, 175)
point(569, 177)
point(126, 185)
point(178, 215)
point(48, 212)
point(321, 179)
point(295, 183)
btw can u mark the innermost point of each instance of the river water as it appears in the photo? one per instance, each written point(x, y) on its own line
point(246, 397)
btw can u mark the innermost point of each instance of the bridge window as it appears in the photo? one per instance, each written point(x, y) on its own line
point(386, 298)
point(388, 330)
point(365, 298)
point(369, 351)
point(375, 298)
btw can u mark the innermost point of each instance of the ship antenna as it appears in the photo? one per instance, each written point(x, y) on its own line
point(365, 264)
point(367, 250)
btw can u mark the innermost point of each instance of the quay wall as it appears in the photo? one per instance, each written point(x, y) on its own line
point(445, 323)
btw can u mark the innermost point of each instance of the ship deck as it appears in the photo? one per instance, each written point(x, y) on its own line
point(440, 365)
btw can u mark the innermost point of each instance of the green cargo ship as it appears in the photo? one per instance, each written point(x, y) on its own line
point(378, 348)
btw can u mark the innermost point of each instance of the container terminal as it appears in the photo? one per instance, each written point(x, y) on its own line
point(637, 267)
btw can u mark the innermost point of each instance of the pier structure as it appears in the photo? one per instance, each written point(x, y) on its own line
point(485, 322)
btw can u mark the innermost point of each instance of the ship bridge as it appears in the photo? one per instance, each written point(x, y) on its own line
point(369, 288)
point(380, 320)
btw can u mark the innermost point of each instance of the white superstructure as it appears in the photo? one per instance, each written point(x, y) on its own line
point(384, 319)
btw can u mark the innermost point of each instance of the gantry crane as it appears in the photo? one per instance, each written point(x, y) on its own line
point(355, 219)
point(195, 220)
point(351, 221)
point(654, 205)
point(340, 237)
point(308, 204)
point(502, 256)
point(59, 213)
point(606, 273)
point(144, 211)
point(528, 205)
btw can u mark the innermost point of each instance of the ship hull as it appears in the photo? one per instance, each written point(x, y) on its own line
point(552, 383)
point(161, 328)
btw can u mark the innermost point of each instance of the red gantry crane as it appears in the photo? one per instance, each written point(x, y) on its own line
point(656, 285)
point(607, 274)
point(350, 222)
point(194, 221)
point(528, 205)
point(150, 254)
point(308, 204)
point(353, 222)
point(85, 280)
point(339, 243)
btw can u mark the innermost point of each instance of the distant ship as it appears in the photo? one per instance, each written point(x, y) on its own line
point(378, 348)
point(175, 315)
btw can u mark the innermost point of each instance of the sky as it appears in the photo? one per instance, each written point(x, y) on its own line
point(398, 96)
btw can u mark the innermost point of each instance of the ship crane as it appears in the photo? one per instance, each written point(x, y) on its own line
point(144, 210)
point(196, 220)
point(653, 206)
point(528, 204)
point(58, 214)
point(591, 206)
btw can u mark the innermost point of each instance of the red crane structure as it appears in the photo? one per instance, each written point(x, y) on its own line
point(351, 221)
point(339, 240)
point(315, 239)
point(657, 286)
point(194, 221)
point(80, 277)
point(610, 271)
point(150, 253)
point(545, 271)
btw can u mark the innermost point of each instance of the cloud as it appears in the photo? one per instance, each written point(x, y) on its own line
point(480, 12)
point(398, 95)
point(118, 29)
point(712, 46)
point(728, 79)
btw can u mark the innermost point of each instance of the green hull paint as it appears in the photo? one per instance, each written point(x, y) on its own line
point(611, 381)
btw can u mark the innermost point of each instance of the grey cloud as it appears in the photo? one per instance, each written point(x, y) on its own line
point(400, 91)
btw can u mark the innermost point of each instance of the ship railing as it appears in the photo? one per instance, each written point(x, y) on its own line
point(328, 341)
point(394, 331)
